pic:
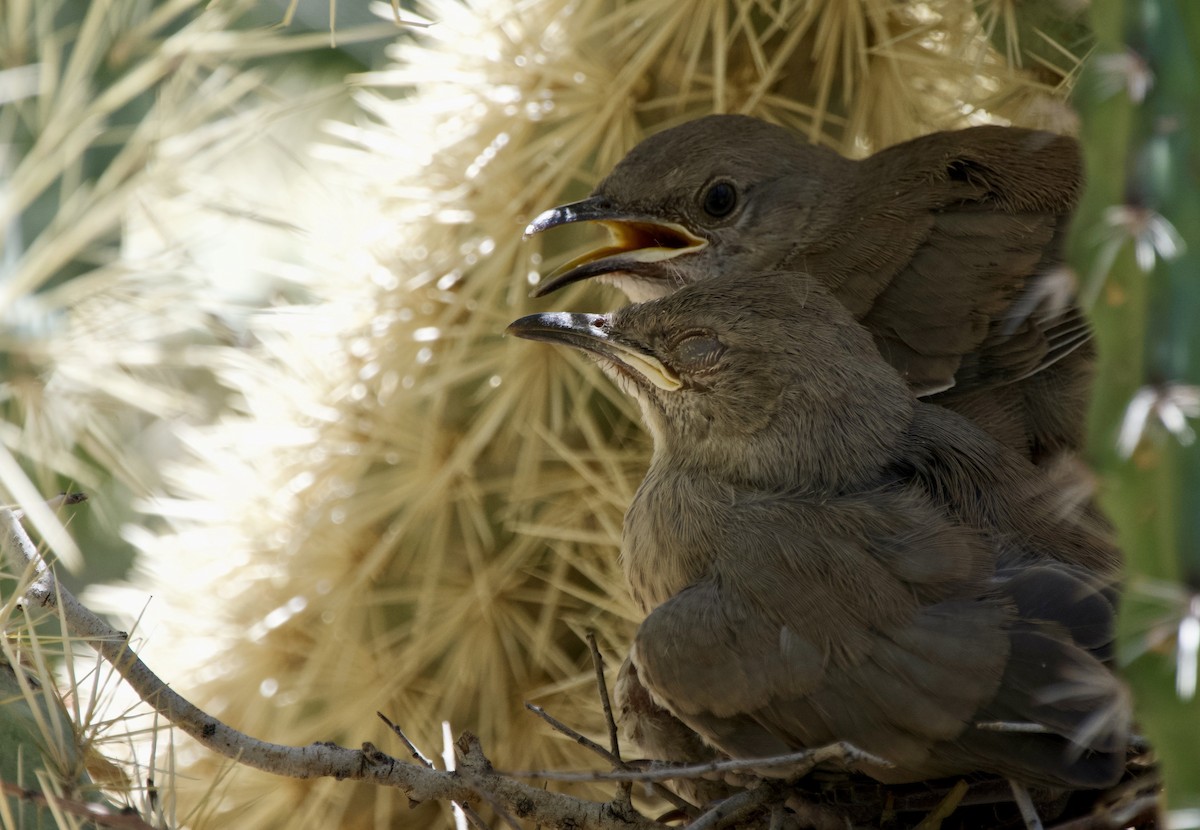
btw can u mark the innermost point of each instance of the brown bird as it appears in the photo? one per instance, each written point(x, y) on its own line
point(947, 248)
point(824, 558)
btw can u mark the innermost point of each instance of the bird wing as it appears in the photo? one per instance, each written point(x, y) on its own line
point(897, 645)
point(943, 244)
point(1054, 680)
point(822, 640)
point(959, 469)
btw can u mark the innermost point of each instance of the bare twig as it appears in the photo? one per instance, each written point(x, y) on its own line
point(412, 748)
point(735, 808)
point(803, 761)
point(667, 795)
point(573, 734)
point(624, 795)
point(601, 816)
point(492, 801)
point(318, 760)
point(1013, 726)
point(598, 662)
point(472, 816)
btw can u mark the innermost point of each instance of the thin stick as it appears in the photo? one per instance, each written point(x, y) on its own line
point(578, 738)
point(54, 502)
point(1013, 726)
point(624, 797)
point(598, 663)
point(734, 808)
point(806, 759)
point(467, 809)
point(416, 753)
point(674, 799)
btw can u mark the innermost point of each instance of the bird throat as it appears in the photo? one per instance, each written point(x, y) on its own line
point(673, 531)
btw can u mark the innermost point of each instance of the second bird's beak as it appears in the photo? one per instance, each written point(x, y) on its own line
point(637, 244)
point(593, 333)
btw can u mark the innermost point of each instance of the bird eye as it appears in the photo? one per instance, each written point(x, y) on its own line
point(720, 199)
point(698, 352)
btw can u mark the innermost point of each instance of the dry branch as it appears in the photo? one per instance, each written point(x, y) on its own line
point(473, 779)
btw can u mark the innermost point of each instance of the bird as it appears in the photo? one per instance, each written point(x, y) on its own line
point(822, 557)
point(947, 247)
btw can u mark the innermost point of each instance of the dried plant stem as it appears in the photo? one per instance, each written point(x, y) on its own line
point(580, 739)
point(735, 808)
point(474, 778)
point(472, 816)
point(598, 662)
point(634, 773)
point(802, 761)
point(624, 788)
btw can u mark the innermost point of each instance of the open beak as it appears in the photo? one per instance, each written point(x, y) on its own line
point(594, 334)
point(638, 244)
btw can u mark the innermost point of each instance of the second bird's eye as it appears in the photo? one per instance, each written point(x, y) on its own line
point(720, 199)
point(698, 352)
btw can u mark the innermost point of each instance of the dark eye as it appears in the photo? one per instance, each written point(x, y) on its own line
point(698, 352)
point(720, 199)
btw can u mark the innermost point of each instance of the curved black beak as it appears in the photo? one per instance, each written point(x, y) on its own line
point(591, 209)
point(594, 334)
point(639, 244)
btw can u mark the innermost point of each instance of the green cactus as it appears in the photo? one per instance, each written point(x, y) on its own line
point(1137, 245)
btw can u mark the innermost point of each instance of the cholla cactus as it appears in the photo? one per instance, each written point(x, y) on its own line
point(103, 337)
point(78, 125)
point(55, 747)
point(404, 512)
point(392, 508)
point(1138, 248)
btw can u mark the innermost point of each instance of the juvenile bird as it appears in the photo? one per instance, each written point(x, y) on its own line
point(824, 558)
point(947, 248)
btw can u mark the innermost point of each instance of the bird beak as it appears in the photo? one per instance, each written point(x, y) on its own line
point(637, 243)
point(594, 334)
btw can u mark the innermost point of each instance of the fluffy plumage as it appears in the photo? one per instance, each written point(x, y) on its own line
point(822, 557)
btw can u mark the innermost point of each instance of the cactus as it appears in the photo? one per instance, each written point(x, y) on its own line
point(92, 349)
point(454, 500)
point(1137, 247)
point(427, 513)
point(53, 766)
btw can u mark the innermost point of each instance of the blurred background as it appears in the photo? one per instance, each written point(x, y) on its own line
point(256, 262)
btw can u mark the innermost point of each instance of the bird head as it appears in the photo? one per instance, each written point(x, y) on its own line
point(762, 377)
point(721, 193)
